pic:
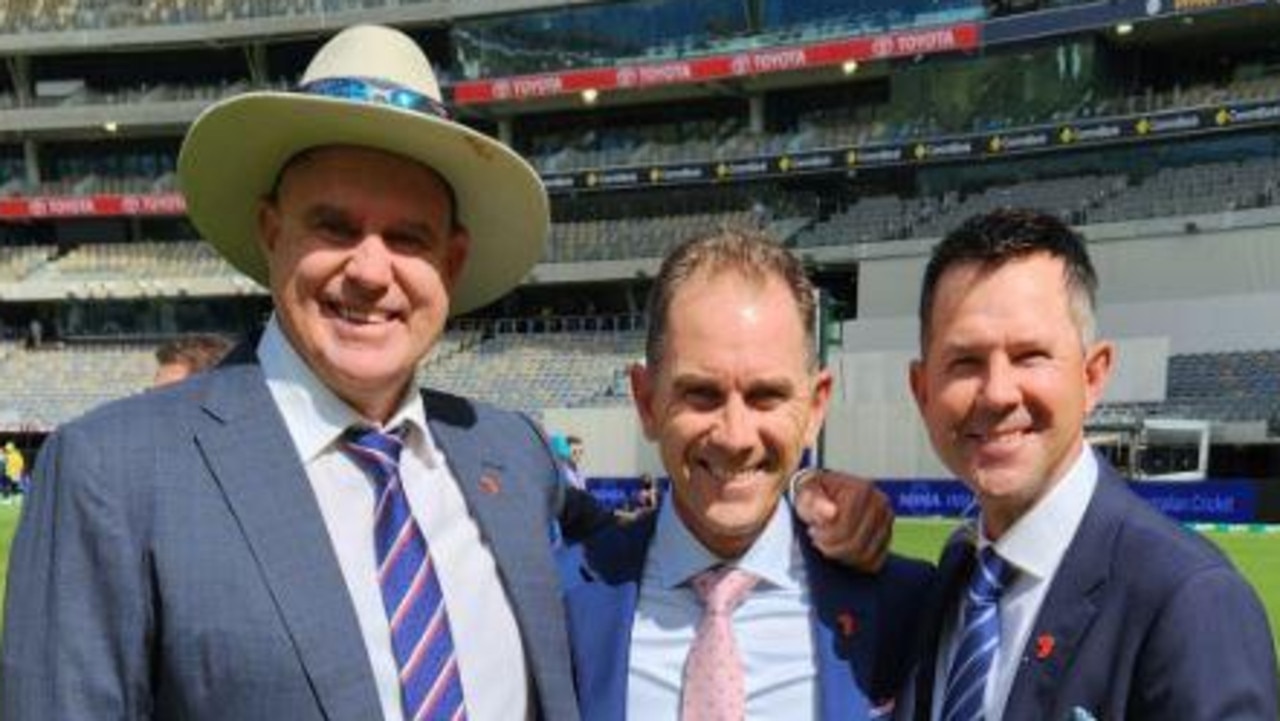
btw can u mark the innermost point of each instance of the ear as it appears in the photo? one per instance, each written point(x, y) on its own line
point(456, 256)
point(269, 223)
point(1097, 371)
point(643, 392)
point(818, 404)
point(919, 389)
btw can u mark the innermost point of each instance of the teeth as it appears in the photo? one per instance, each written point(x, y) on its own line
point(727, 475)
point(353, 316)
point(1001, 437)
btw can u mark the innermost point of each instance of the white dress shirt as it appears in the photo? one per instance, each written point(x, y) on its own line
point(772, 626)
point(1034, 545)
point(485, 636)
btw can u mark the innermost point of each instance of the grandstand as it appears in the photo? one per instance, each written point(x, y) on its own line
point(857, 132)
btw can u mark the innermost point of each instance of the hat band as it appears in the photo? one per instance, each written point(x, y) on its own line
point(378, 92)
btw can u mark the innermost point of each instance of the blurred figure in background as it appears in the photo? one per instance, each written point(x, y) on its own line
point(182, 357)
point(14, 470)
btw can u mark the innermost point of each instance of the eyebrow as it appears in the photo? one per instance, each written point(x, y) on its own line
point(323, 210)
point(699, 380)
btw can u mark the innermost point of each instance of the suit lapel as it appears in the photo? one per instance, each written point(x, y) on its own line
point(1070, 606)
point(844, 623)
point(953, 571)
point(503, 508)
point(601, 605)
point(251, 457)
point(509, 510)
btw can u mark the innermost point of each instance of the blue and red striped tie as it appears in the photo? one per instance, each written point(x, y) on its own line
point(430, 688)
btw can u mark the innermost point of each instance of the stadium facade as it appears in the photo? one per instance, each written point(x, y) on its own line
point(859, 132)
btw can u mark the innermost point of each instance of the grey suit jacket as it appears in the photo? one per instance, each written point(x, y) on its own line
point(172, 562)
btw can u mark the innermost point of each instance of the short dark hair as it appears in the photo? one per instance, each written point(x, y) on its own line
point(754, 254)
point(197, 352)
point(992, 239)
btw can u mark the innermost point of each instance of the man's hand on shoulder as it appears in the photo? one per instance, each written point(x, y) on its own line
point(850, 521)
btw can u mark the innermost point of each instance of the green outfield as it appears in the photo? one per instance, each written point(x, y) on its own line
point(8, 521)
point(1256, 554)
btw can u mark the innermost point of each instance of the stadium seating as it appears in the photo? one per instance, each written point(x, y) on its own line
point(538, 365)
point(1191, 190)
point(17, 262)
point(533, 371)
point(565, 150)
point(146, 260)
point(500, 362)
point(881, 218)
point(1235, 386)
point(1224, 387)
point(53, 384)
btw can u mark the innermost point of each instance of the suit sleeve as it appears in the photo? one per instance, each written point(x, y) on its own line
point(77, 616)
point(577, 511)
point(1209, 654)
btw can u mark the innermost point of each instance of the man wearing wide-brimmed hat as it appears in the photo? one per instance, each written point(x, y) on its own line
point(301, 534)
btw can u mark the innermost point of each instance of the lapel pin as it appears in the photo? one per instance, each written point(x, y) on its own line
point(490, 485)
point(1044, 646)
point(848, 623)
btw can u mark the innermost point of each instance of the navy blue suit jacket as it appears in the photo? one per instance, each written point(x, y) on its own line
point(863, 624)
point(1143, 620)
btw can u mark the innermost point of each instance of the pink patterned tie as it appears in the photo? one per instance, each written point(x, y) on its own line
point(714, 682)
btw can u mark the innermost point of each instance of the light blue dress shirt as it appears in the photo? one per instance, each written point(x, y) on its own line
point(772, 626)
point(1034, 545)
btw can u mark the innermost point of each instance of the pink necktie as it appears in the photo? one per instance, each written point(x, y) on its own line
point(714, 682)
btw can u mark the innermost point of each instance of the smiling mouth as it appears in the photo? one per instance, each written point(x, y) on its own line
point(359, 317)
point(998, 436)
point(735, 474)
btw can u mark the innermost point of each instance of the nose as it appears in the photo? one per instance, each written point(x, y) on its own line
point(734, 433)
point(999, 385)
point(369, 265)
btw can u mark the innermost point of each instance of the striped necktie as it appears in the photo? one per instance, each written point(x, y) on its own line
point(420, 638)
point(979, 639)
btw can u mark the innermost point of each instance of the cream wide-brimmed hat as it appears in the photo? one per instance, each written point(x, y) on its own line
point(368, 86)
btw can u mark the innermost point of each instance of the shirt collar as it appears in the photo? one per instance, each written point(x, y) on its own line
point(313, 414)
point(676, 555)
point(1036, 543)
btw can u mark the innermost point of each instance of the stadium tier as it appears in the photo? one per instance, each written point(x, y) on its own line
point(857, 132)
point(518, 364)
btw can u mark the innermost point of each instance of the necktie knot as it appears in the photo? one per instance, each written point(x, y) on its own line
point(378, 452)
point(979, 638)
point(990, 577)
point(722, 588)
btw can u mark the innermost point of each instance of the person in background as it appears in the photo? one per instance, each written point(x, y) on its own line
point(568, 450)
point(183, 357)
point(15, 470)
point(577, 451)
point(1070, 597)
